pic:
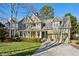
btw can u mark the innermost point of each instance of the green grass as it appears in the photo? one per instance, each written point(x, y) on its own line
point(18, 48)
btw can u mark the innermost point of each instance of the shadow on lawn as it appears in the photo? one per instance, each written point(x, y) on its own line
point(25, 53)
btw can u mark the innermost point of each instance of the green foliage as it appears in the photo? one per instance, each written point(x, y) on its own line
point(18, 48)
point(1, 25)
point(2, 32)
point(47, 11)
point(31, 39)
point(23, 39)
point(77, 43)
point(13, 39)
point(73, 24)
point(18, 39)
point(78, 27)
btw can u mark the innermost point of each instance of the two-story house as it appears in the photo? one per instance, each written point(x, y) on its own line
point(57, 28)
point(53, 28)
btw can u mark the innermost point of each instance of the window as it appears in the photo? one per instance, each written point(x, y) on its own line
point(60, 22)
point(34, 24)
point(43, 24)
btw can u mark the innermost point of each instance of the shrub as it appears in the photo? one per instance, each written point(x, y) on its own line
point(7, 39)
point(77, 43)
point(13, 39)
point(31, 39)
point(23, 39)
point(18, 39)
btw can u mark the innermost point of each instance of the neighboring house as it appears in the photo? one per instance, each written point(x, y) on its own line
point(13, 25)
point(53, 28)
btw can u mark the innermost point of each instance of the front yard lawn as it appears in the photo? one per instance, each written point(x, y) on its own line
point(18, 48)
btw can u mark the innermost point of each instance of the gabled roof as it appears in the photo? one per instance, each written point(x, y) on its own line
point(35, 18)
point(27, 20)
point(66, 22)
point(32, 19)
point(21, 21)
point(55, 19)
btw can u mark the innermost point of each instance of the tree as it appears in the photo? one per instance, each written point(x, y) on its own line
point(3, 12)
point(78, 27)
point(2, 32)
point(73, 19)
point(28, 9)
point(16, 9)
point(47, 11)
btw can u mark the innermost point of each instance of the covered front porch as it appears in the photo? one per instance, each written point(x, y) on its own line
point(33, 33)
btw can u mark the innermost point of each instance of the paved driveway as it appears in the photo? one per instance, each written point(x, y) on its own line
point(57, 50)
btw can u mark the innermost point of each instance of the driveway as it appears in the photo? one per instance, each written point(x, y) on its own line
point(56, 50)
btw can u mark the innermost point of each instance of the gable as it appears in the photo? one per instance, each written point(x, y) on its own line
point(35, 18)
point(57, 19)
point(27, 20)
point(66, 22)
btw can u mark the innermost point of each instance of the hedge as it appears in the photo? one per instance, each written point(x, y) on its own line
point(23, 39)
point(31, 39)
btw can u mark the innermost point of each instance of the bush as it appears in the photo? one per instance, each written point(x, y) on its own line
point(13, 39)
point(18, 39)
point(23, 39)
point(77, 43)
point(31, 39)
point(7, 39)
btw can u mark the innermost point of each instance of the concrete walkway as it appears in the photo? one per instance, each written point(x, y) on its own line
point(56, 50)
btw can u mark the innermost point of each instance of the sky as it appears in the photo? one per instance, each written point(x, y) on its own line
point(60, 9)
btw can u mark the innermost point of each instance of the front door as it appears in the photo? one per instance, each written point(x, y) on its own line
point(44, 34)
point(33, 34)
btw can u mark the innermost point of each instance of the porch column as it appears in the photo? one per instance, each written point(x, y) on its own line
point(19, 33)
point(60, 36)
point(11, 32)
point(14, 32)
point(40, 34)
point(23, 33)
point(27, 34)
point(68, 38)
point(30, 34)
point(36, 34)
